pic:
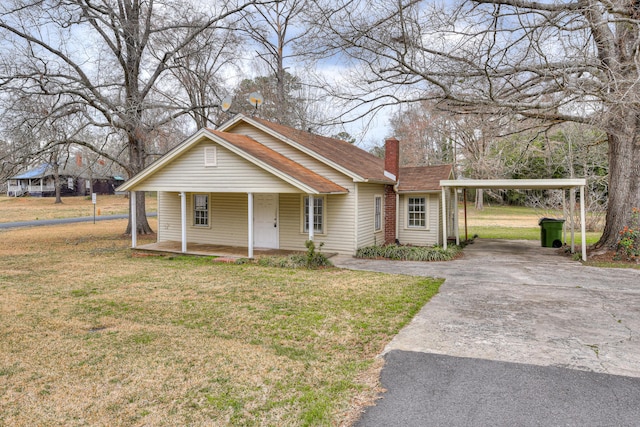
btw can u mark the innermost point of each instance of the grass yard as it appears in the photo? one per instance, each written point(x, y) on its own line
point(92, 336)
point(33, 208)
point(512, 223)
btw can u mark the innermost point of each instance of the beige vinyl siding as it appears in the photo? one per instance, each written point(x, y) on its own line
point(420, 236)
point(339, 224)
point(227, 219)
point(169, 217)
point(367, 236)
point(294, 154)
point(232, 174)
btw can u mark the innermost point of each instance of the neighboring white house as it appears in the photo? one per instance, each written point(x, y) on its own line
point(253, 184)
point(75, 180)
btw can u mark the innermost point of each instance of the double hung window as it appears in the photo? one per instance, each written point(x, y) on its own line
point(416, 212)
point(377, 220)
point(318, 215)
point(201, 210)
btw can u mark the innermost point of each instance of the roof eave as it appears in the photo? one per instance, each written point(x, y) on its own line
point(418, 191)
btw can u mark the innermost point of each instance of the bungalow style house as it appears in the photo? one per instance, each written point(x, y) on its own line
point(256, 184)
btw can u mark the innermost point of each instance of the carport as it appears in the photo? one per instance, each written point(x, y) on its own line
point(449, 186)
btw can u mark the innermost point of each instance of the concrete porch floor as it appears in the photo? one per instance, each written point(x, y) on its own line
point(210, 250)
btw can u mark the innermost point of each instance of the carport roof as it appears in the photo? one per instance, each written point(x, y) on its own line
point(511, 184)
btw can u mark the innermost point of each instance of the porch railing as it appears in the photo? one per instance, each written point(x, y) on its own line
point(20, 190)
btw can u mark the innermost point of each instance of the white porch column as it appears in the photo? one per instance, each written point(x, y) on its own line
point(444, 218)
point(583, 225)
point(134, 219)
point(311, 212)
point(183, 221)
point(250, 225)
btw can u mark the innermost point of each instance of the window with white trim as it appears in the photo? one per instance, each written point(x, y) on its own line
point(210, 156)
point(201, 210)
point(377, 213)
point(318, 214)
point(416, 212)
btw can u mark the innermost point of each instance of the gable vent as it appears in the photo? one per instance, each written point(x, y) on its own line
point(210, 156)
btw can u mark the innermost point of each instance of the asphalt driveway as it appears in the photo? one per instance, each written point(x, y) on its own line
point(513, 302)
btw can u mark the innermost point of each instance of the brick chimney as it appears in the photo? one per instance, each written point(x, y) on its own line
point(392, 157)
point(391, 171)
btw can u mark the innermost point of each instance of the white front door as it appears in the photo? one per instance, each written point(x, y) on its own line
point(265, 220)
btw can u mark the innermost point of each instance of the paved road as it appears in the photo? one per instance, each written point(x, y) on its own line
point(511, 305)
point(41, 222)
point(435, 390)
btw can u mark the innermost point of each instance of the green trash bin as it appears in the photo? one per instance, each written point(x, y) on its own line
point(551, 232)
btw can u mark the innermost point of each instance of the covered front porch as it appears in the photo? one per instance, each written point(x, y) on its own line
point(202, 249)
point(234, 224)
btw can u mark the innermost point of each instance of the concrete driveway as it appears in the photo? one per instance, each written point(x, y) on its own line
point(513, 301)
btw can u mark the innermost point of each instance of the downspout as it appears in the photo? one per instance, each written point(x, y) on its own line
point(395, 189)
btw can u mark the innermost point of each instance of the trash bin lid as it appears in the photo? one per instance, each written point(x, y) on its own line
point(543, 220)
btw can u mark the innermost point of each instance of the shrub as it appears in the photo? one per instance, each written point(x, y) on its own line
point(409, 253)
point(312, 259)
point(315, 259)
point(629, 240)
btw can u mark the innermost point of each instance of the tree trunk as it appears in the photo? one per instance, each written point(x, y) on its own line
point(624, 180)
point(479, 199)
point(142, 224)
point(57, 184)
point(136, 164)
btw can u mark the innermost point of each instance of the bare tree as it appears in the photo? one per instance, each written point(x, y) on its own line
point(552, 61)
point(275, 30)
point(204, 65)
point(426, 135)
point(108, 59)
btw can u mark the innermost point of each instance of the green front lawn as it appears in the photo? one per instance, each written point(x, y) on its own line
point(92, 336)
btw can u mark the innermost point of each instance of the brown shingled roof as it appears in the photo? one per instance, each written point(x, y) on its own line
point(340, 152)
point(281, 163)
point(423, 178)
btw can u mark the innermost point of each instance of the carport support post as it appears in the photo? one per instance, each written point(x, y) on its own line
point(456, 214)
point(572, 210)
point(583, 225)
point(250, 224)
point(444, 218)
point(134, 219)
point(183, 220)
